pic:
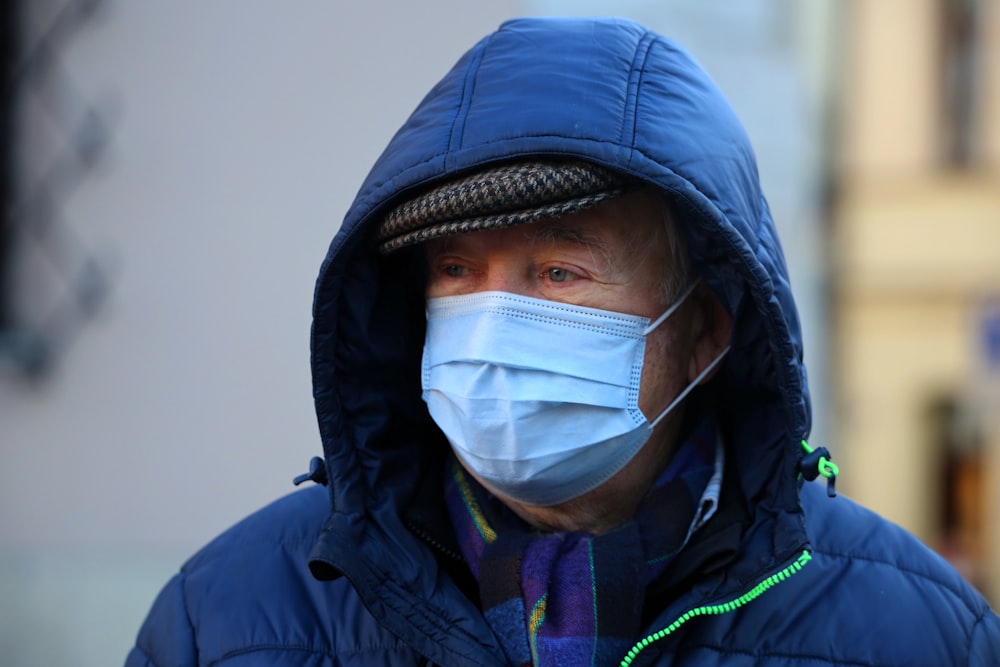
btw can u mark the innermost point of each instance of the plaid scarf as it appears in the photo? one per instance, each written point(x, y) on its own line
point(573, 598)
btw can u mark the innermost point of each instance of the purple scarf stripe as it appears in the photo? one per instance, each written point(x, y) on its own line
point(572, 598)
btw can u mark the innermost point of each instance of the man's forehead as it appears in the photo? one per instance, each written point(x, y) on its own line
point(559, 231)
point(636, 215)
point(621, 231)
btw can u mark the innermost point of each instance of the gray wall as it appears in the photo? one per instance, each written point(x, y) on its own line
point(239, 133)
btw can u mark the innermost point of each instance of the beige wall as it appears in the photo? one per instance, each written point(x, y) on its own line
point(914, 262)
point(888, 98)
point(916, 252)
point(891, 109)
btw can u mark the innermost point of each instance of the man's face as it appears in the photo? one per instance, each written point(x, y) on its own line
point(613, 257)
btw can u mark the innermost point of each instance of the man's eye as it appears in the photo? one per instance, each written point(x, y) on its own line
point(559, 275)
point(454, 271)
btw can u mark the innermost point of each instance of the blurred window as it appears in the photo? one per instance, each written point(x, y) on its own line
point(962, 472)
point(959, 64)
point(51, 282)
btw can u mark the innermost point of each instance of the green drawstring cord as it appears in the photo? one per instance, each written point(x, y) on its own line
point(817, 462)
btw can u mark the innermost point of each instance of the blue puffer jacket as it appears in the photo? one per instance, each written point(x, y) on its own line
point(367, 574)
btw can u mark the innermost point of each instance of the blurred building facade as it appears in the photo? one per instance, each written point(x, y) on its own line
point(915, 259)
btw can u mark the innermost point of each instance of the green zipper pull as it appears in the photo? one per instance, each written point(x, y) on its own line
point(817, 462)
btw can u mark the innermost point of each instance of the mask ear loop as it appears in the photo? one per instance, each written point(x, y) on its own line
point(671, 309)
point(694, 383)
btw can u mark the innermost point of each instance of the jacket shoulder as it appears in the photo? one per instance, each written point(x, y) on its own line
point(885, 593)
point(249, 595)
point(845, 534)
point(290, 523)
point(871, 594)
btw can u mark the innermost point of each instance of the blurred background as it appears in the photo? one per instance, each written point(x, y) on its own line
point(172, 174)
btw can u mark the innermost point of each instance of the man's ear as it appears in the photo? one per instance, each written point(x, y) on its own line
point(713, 330)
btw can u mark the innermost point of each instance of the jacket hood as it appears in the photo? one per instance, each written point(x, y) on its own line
point(604, 90)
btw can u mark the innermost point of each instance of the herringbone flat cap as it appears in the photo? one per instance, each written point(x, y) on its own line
point(504, 196)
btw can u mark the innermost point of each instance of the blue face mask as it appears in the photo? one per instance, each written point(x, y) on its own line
point(540, 399)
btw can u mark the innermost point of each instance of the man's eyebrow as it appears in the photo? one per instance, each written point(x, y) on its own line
point(599, 250)
point(555, 233)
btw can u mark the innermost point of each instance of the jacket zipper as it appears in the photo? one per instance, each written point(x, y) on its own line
point(433, 543)
point(718, 609)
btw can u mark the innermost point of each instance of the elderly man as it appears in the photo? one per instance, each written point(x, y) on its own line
point(559, 381)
